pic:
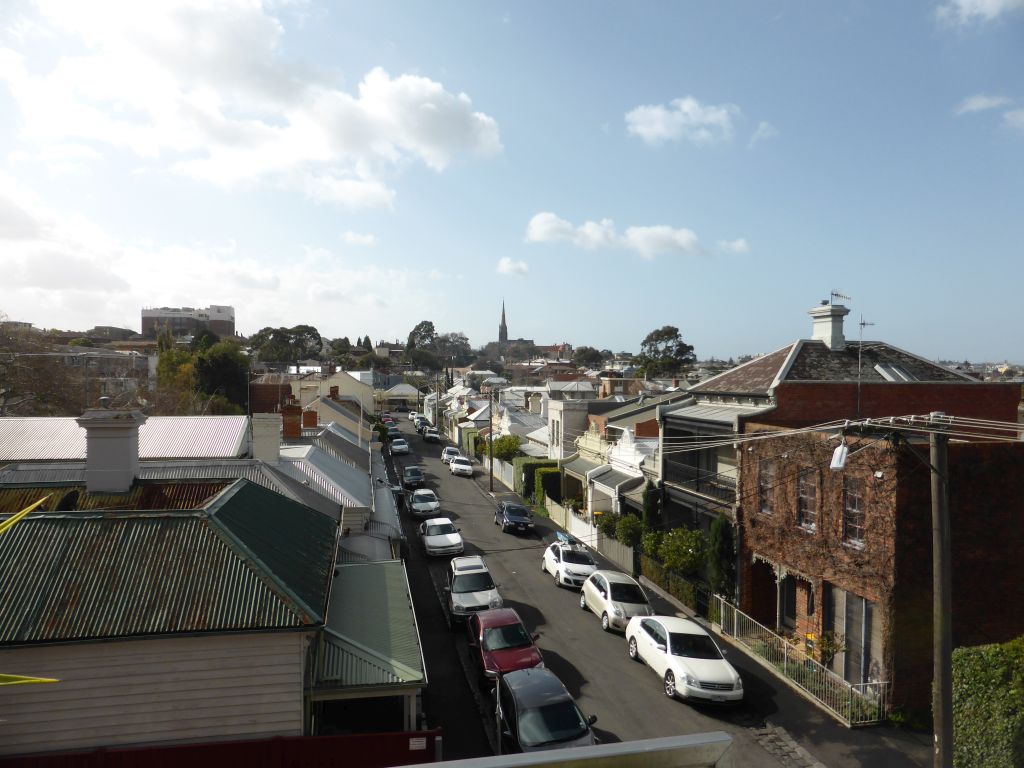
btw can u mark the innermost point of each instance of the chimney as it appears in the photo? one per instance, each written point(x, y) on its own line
point(111, 447)
point(291, 415)
point(828, 325)
point(334, 393)
point(266, 437)
point(535, 402)
point(309, 418)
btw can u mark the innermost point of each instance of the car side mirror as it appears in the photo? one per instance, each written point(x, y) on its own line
point(592, 719)
point(662, 647)
point(447, 589)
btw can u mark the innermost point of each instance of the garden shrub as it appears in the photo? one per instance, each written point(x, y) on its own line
point(524, 469)
point(547, 481)
point(683, 551)
point(606, 523)
point(988, 705)
point(629, 529)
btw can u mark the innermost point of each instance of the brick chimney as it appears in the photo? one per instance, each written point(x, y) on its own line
point(828, 325)
point(309, 418)
point(266, 437)
point(334, 393)
point(111, 447)
point(291, 416)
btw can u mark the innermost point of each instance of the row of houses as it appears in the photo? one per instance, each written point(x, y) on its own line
point(821, 552)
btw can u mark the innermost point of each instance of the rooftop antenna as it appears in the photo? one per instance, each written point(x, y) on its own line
point(860, 349)
point(838, 295)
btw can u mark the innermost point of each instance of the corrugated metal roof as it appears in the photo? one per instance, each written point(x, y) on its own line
point(340, 482)
point(372, 636)
point(59, 438)
point(343, 450)
point(579, 467)
point(142, 496)
point(719, 414)
point(612, 479)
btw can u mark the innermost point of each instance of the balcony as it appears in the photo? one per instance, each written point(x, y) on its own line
point(710, 484)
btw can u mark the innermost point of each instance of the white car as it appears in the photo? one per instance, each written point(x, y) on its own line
point(568, 564)
point(424, 503)
point(399, 445)
point(448, 454)
point(615, 597)
point(441, 537)
point(413, 415)
point(683, 655)
point(460, 465)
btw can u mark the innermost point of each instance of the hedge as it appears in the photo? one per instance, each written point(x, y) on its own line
point(523, 470)
point(547, 481)
point(988, 705)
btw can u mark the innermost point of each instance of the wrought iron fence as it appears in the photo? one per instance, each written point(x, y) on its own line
point(854, 704)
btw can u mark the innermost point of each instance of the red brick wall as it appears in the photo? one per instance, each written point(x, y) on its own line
point(268, 398)
point(647, 428)
point(292, 422)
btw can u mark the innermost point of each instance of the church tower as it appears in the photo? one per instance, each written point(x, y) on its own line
point(502, 328)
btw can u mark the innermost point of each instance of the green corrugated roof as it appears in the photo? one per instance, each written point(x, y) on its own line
point(253, 560)
point(372, 637)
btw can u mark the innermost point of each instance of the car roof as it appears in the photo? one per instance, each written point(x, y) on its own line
point(498, 617)
point(411, 469)
point(680, 625)
point(468, 564)
point(438, 521)
point(617, 576)
point(535, 687)
point(461, 458)
point(423, 492)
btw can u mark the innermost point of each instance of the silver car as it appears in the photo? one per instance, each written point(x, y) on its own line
point(615, 597)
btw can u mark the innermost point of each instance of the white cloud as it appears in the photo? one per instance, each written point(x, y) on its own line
point(356, 238)
point(979, 103)
point(507, 266)
point(764, 132)
point(683, 119)
point(734, 246)
point(1014, 119)
point(205, 89)
point(966, 11)
point(648, 242)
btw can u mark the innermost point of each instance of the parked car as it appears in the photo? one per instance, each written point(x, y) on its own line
point(689, 663)
point(431, 435)
point(536, 712)
point(449, 453)
point(413, 416)
point(615, 597)
point(402, 408)
point(399, 445)
point(412, 477)
point(513, 517)
point(499, 643)
point(568, 564)
point(441, 537)
point(394, 433)
point(470, 588)
point(385, 415)
point(421, 423)
point(460, 465)
point(424, 503)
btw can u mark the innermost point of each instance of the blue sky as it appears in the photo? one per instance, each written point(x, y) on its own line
point(604, 168)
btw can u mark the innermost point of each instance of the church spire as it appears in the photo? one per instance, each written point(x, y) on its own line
point(502, 328)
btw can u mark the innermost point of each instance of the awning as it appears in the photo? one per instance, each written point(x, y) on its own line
point(536, 451)
point(578, 467)
point(634, 496)
point(611, 481)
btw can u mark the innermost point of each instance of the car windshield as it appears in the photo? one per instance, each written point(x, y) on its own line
point(627, 593)
point(460, 460)
point(514, 510)
point(440, 530)
point(693, 646)
point(551, 723)
point(412, 473)
point(472, 582)
point(423, 497)
point(577, 557)
point(508, 636)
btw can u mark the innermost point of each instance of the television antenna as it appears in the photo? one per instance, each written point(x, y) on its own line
point(860, 349)
point(838, 295)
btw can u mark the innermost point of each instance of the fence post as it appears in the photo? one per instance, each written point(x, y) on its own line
point(735, 621)
point(785, 657)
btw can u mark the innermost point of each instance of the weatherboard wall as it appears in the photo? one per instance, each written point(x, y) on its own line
point(173, 690)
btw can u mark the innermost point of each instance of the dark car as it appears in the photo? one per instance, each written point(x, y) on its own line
point(412, 477)
point(513, 517)
point(394, 433)
point(500, 643)
point(536, 712)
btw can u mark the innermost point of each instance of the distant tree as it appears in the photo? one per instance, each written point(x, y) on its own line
point(306, 342)
point(366, 343)
point(35, 381)
point(587, 357)
point(203, 340)
point(519, 351)
point(223, 369)
point(81, 342)
point(423, 359)
point(453, 346)
point(422, 336)
point(340, 346)
point(663, 352)
point(287, 345)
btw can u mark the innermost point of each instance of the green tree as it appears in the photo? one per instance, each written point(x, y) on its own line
point(587, 357)
point(203, 340)
point(506, 447)
point(683, 550)
point(721, 565)
point(422, 336)
point(34, 379)
point(423, 359)
point(629, 529)
point(306, 342)
point(223, 369)
point(81, 342)
point(663, 352)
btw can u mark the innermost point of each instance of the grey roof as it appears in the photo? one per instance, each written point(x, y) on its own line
point(342, 449)
point(717, 414)
point(372, 638)
point(648, 402)
point(570, 386)
point(578, 466)
point(250, 560)
point(59, 438)
point(614, 478)
point(343, 483)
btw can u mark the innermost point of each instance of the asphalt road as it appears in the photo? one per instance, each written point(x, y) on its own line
point(626, 697)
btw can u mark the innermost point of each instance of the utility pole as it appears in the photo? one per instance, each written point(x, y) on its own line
point(942, 605)
point(490, 436)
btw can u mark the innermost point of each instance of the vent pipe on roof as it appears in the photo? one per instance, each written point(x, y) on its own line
point(111, 448)
point(828, 325)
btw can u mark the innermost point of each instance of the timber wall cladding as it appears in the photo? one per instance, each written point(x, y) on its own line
point(153, 691)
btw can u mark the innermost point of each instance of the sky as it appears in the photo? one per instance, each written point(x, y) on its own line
point(603, 168)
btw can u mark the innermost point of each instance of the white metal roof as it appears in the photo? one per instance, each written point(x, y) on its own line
point(59, 438)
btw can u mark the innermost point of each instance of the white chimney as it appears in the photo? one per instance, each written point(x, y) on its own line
point(828, 325)
point(111, 448)
point(266, 437)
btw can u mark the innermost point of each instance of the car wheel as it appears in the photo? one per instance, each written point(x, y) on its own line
point(558, 579)
point(495, 519)
point(583, 602)
point(543, 565)
point(670, 685)
point(605, 625)
point(633, 653)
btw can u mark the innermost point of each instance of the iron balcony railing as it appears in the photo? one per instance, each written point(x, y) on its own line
point(854, 704)
point(712, 484)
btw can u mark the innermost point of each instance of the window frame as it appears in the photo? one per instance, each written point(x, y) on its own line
point(767, 472)
point(807, 504)
point(854, 512)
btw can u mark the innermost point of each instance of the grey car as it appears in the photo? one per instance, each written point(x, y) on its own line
point(536, 712)
point(615, 597)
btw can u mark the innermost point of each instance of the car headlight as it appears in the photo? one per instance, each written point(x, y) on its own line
point(494, 603)
point(691, 680)
point(617, 611)
point(739, 683)
point(540, 665)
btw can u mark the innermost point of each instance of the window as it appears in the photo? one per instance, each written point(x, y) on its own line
point(807, 499)
point(853, 511)
point(766, 486)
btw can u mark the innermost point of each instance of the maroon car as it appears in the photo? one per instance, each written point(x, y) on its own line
point(500, 643)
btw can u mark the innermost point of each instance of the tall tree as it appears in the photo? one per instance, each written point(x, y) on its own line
point(663, 352)
point(35, 381)
point(422, 336)
point(224, 369)
point(587, 357)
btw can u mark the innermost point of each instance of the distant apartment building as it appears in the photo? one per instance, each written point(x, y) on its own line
point(186, 320)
